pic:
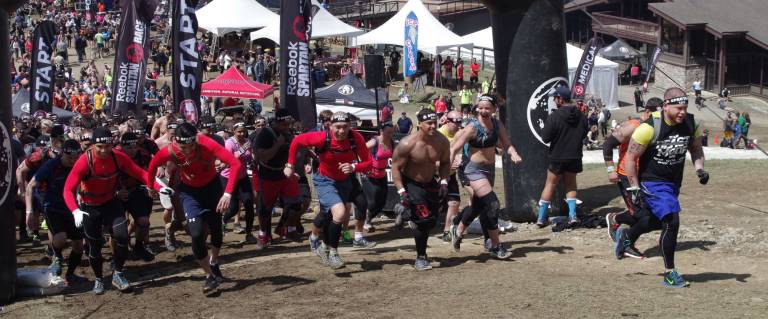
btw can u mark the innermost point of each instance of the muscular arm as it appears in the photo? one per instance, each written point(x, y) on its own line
point(634, 152)
point(21, 177)
point(79, 170)
point(309, 139)
point(399, 160)
point(155, 133)
point(697, 151)
point(28, 195)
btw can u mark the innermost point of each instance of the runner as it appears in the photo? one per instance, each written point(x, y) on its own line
point(24, 174)
point(96, 176)
point(172, 209)
point(161, 124)
point(332, 181)
point(240, 147)
point(135, 197)
point(200, 192)
point(449, 129)
point(376, 184)
point(616, 174)
point(660, 144)
point(48, 184)
point(414, 171)
point(482, 135)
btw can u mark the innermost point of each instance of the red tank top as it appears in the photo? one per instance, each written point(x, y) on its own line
point(380, 161)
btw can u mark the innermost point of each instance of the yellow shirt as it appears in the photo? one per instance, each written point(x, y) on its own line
point(98, 101)
point(644, 133)
point(444, 130)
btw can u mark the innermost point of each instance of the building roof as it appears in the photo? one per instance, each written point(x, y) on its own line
point(720, 17)
point(575, 5)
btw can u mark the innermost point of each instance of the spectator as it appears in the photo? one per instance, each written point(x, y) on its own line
point(404, 124)
point(465, 96)
point(474, 72)
point(459, 72)
point(638, 99)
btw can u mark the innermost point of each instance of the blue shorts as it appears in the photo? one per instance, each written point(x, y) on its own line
point(331, 192)
point(661, 198)
point(198, 200)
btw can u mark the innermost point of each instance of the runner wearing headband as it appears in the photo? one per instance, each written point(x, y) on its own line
point(200, 192)
point(338, 148)
point(414, 171)
point(450, 127)
point(94, 177)
point(135, 197)
point(240, 147)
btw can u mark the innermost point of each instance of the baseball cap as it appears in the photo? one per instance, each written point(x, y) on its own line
point(561, 91)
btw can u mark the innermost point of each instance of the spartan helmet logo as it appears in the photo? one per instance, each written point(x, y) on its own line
point(540, 105)
point(346, 89)
point(6, 163)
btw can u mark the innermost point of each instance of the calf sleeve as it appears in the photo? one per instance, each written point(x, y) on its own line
point(490, 211)
point(668, 239)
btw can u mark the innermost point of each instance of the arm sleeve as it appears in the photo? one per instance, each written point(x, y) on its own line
point(643, 134)
point(73, 180)
point(158, 160)
point(309, 139)
point(363, 154)
point(225, 156)
point(129, 167)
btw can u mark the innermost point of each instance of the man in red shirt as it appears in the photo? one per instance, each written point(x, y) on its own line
point(341, 152)
point(200, 192)
point(135, 198)
point(95, 178)
point(474, 72)
point(459, 73)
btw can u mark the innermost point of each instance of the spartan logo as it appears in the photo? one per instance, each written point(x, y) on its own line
point(346, 89)
point(540, 105)
point(6, 163)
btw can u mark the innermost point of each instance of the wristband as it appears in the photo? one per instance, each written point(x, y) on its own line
point(401, 191)
point(633, 188)
point(288, 165)
point(227, 195)
point(610, 169)
point(353, 166)
point(29, 212)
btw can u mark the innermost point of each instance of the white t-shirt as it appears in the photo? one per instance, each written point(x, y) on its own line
point(697, 85)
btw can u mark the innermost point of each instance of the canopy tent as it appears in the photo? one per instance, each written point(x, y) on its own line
point(324, 24)
point(233, 83)
point(619, 50)
point(433, 36)
point(224, 16)
point(350, 95)
point(20, 104)
point(482, 38)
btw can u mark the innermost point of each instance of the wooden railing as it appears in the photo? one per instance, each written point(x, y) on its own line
point(625, 27)
point(361, 8)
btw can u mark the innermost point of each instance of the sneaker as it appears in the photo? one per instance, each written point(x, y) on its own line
point(55, 266)
point(455, 239)
point(322, 252)
point(262, 242)
point(211, 283)
point(216, 270)
point(573, 221)
point(143, 253)
point(170, 241)
point(542, 223)
point(363, 243)
point(610, 220)
point(445, 237)
point(98, 286)
point(334, 260)
point(422, 263)
point(487, 244)
point(119, 281)
point(500, 252)
point(249, 239)
point(238, 229)
point(633, 252)
point(346, 238)
point(673, 279)
point(369, 228)
point(621, 243)
point(314, 245)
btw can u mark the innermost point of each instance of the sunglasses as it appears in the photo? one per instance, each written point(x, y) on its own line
point(457, 121)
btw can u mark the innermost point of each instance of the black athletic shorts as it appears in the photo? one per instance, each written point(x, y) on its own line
point(139, 203)
point(453, 189)
point(424, 199)
point(572, 166)
point(461, 176)
point(61, 220)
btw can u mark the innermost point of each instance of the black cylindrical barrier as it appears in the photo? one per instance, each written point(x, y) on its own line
point(530, 54)
point(8, 183)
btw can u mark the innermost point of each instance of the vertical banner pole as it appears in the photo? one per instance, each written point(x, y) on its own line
point(297, 93)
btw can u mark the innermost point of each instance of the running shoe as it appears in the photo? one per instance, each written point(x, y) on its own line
point(98, 286)
point(633, 252)
point(621, 243)
point(422, 263)
point(314, 245)
point(673, 279)
point(363, 243)
point(238, 229)
point(542, 223)
point(487, 244)
point(322, 252)
point(573, 221)
point(334, 260)
point(216, 270)
point(455, 239)
point(35, 240)
point(369, 228)
point(211, 283)
point(119, 281)
point(249, 239)
point(262, 242)
point(170, 241)
point(500, 252)
point(445, 237)
point(55, 266)
point(143, 253)
point(346, 237)
point(610, 220)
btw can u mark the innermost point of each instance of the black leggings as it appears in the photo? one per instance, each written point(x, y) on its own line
point(358, 199)
point(243, 193)
point(375, 190)
point(112, 215)
point(200, 227)
point(486, 208)
point(669, 227)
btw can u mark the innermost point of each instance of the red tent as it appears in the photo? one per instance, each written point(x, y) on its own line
point(233, 83)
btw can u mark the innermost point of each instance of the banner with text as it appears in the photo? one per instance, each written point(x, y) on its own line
point(411, 45)
point(654, 59)
point(297, 94)
point(186, 60)
point(41, 87)
point(130, 61)
point(586, 66)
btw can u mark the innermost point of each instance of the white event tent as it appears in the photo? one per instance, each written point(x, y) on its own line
point(433, 36)
point(324, 24)
point(605, 75)
point(223, 16)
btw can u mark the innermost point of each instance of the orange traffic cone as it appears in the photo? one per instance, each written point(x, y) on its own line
point(717, 142)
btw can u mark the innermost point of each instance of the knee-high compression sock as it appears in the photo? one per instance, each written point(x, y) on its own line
point(668, 239)
point(249, 216)
point(644, 225)
point(467, 210)
point(334, 231)
point(543, 209)
point(420, 237)
point(74, 260)
point(571, 207)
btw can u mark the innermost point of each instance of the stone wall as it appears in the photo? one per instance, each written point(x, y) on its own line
point(684, 75)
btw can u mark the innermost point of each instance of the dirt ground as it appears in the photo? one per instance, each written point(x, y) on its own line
point(723, 252)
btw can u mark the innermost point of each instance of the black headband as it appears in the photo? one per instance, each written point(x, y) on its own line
point(487, 98)
point(172, 126)
point(677, 100)
point(102, 140)
point(284, 118)
point(208, 124)
point(340, 118)
point(427, 116)
point(238, 125)
point(129, 141)
point(184, 140)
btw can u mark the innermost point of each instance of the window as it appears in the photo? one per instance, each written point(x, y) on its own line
point(671, 38)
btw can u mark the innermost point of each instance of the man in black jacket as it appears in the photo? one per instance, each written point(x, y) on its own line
point(564, 130)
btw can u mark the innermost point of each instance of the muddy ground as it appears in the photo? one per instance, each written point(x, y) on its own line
point(723, 252)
